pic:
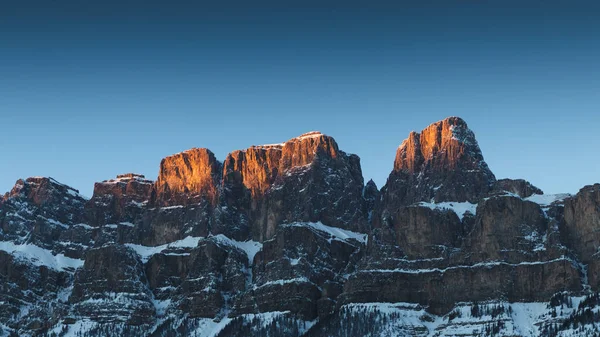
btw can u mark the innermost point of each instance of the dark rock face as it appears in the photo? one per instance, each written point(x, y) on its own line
point(282, 237)
point(442, 163)
point(440, 289)
point(300, 270)
point(423, 232)
point(520, 187)
point(159, 226)
point(23, 285)
point(582, 220)
point(119, 200)
point(111, 287)
point(47, 199)
point(329, 190)
point(506, 226)
point(371, 195)
point(37, 210)
point(204, 281)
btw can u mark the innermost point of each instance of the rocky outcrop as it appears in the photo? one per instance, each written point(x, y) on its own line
point(161, 225)
point(254, 169)
point(38, 210)
point(202, 281)
point(581, 222)
point(51, 199)
point(111, 287)
point(442, 163)
point(26, 286)
point(371, 195)
point(189, 177)
point(520, 187)
point(423, 232)
point(119, 200)
point(247, 176)
point(506, 228)
point(318, 182)
point(301, 270)
point(440, 289)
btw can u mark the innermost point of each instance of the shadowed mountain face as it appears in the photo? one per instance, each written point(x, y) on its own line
point(287, 240)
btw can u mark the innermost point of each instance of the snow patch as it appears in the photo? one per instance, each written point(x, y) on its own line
point(146, 252)
point(334, 232)
point(282, 282)
point(476, 265)
point(161, 306)
point(547, 199)
point(82, 225)
point(40, 257)
point(251, 248)
point(311, 134)
point(460, 208)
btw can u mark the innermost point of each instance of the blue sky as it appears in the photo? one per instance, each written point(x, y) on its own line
point(91, 90)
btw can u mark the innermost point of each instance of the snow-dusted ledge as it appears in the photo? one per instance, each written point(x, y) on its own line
point(334, 232)
point(547, 199)
point(40, 257)
point(146, 252)
point(460, 208)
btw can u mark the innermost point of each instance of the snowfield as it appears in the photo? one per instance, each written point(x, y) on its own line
point(334, 232)
point(40, 257)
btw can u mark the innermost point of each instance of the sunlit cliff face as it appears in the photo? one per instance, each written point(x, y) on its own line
point(255, 168)
point(441, 145)
point(258, 166)
point(195, 172)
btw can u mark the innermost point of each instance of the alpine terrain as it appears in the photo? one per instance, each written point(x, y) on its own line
point(288, 240)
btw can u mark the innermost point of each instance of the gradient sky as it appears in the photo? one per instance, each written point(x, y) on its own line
point(91, 89)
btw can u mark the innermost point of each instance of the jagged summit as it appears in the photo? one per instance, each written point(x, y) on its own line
point(41, 189)
point(443, 163)
point(442, 144)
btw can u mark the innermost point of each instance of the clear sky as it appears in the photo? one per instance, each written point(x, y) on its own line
point(91, 89)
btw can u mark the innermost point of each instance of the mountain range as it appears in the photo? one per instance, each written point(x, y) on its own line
point(288, 240)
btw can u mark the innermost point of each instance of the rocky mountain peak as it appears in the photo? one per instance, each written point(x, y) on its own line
point(42, 190)
point(442, 144)
point(258, 166)
point(520, 187)
point(41, 205)
point(187, 177)
point(118, 199)
point(303, 150)
point(443, 162)
point(370, 194)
